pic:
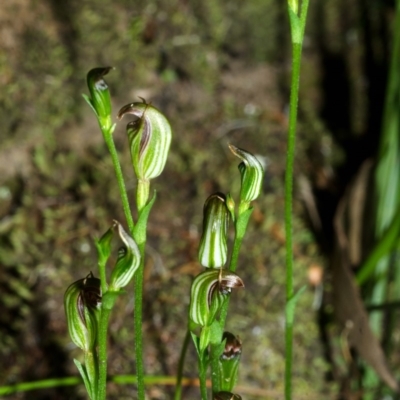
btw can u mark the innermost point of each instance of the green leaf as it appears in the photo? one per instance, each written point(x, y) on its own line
point(85, 378)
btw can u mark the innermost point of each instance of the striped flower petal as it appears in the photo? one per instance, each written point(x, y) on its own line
point(149, 138)
point(82, 305)
point(209, 290)
point(213, 248)
point(252, 173)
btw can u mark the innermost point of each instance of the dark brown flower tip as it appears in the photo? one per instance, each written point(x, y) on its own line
point(135, 109)
point(233, 346)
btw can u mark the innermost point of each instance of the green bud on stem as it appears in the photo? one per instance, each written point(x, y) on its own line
point(127, 263)
point(252, 173)
point(82, 302)
point(100, 99)
point(213, 248)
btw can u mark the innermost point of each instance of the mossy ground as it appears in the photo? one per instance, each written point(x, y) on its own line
point(219, 71)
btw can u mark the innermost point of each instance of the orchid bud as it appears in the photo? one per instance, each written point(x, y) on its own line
point(213, 248)
point(149, 139)
point(208, 292)
point(226, 396)
point(228, 363)
point(127, 263)
point(252, 172)
point(99, 98)
point(82, 302)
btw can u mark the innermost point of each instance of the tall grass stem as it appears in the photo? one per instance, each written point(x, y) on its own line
point(297, 24)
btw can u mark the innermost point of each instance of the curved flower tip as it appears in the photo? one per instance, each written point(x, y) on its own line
point(149, 139)
point(228, 363)
point(252, 173)
point(233, 346)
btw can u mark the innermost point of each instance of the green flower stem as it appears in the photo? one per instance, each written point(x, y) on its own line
point(215, 354)
point(142, 194)
point(297, 24)
point(139, 234)
point(179, 375)
point(203, 377)
point(138, 324)
point(120, 178)
point(288, 214)
point(102, 340)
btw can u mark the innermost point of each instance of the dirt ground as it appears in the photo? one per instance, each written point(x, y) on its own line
point(220, 73)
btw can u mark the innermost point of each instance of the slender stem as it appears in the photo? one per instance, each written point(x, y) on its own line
point(138, 324)
point(215, 372)
point(294, 95)
point(120, 179)
point(297, 25)
point(142, 195)
point(140, 236)
point(102, 340)
point(179, 375)
point(203, 377)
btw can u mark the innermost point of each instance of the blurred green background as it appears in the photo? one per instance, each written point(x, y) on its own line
point(220, 71)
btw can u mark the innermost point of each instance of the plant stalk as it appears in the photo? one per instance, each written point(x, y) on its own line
point(203, 377)
point(138, 324)
point(297, 24)
point(120, 179)
point(102, 340)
